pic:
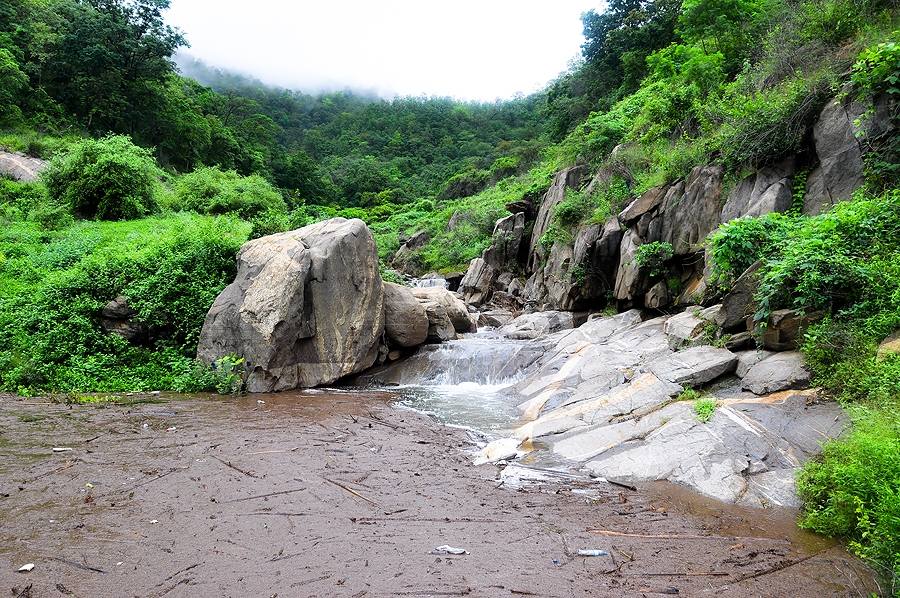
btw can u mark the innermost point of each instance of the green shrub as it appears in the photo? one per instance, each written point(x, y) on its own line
point(654, 256)
point(53, 286)
point(209, 190)
point(105, 179)
point(738, 244)
point(853, 490)
point(878, 70)
point(704, 407)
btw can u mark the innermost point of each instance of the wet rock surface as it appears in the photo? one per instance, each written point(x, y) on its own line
point(21, 167)
point(337, 494)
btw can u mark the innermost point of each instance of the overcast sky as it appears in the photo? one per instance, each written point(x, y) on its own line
point(468, 49)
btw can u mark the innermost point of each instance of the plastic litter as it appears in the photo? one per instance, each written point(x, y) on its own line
point(26, 568)
point(61, 449)
point(445, 549)
point(592, 552)
point(154, 521)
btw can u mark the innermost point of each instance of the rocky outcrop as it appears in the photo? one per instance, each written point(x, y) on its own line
point(770, 189)
point(405, 259)
point(306, 307)
point(542, 323)
point(486, 273)
point(604, 396)
point(738, 303)
point(570, 178)
point(20, 167)
point(405, 320)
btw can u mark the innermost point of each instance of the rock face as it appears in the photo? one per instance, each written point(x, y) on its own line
point(490, 272)
point(306, 307)
point(478, 283)
point(531, 326)
point(405, 259)
point(770, 189)
point(405, 320)
point(20, 167)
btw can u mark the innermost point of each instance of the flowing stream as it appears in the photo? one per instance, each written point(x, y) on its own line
point(465, 382)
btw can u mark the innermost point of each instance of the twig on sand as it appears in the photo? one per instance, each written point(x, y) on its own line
point(679, 574)
point(352, 491)
point(264, 495)
point(249, 474)
point(378, 420)
point(291, 450)
point(76, 565)
point(779, 567)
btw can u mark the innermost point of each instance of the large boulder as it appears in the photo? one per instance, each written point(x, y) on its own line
point(631, 279)
point(506, 242)
point(453, 306)
point(306, 307)
point(769, 189)
point(538, 324)
point(405, 320)
point(406, 258)
point(20, 167)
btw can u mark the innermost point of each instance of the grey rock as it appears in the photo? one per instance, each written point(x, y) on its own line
point(570, 178)
point(495, 318)
point(689, 216)
point(647, 202)
point(118, 317)
point(658, 296)
point(20, 167)
point(506, 242)
point(748, 359)
point(777, 372)
point(630, 280)
point(785, 328)
point(739, 341)
point(770, 189)
point(738, 304)
point(405, 320)
point(840, 142)
point(306, 307)
point(695, 366)
point(478, 283)
point(534, 325)
point(685, 328)
point(453, 306)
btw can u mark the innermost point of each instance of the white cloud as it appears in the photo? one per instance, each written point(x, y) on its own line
point(469, 49)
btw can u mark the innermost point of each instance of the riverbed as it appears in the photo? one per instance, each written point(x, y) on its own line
point(349, 493)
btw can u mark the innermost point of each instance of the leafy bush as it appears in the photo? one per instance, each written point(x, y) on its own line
point(653, 256)
point(573, 209)
point(105, 179)
point(208, 190)
point(738, 244)
point(878, 70)
point(54, 285)
point(853, 490)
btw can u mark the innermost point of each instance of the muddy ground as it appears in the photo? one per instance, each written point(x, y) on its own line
point(345, 495)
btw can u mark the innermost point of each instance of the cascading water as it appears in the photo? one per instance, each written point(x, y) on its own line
point(465, 382)
point(428, 282)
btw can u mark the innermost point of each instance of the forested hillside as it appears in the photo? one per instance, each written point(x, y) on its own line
point(157, 177)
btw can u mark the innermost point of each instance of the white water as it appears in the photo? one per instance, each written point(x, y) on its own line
point(467, 382)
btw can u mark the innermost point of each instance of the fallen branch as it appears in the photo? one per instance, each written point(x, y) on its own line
point(613, 533)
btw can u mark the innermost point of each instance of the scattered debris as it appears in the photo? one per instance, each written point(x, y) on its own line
point(445, 549)
point(172, 429)
point(26, 568)
point(62, 449)
point(154, 521)
point(592, 552)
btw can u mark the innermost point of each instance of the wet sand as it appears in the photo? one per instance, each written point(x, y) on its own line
point(345, 495)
